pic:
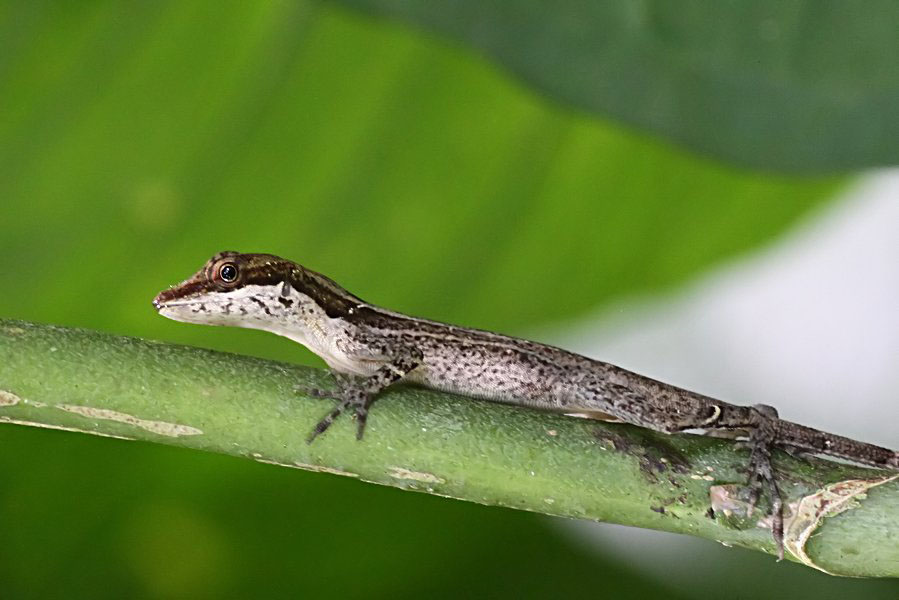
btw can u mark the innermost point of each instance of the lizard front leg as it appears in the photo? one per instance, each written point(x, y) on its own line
point(358, 393)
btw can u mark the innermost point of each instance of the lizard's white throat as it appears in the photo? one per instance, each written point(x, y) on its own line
point(278, 309)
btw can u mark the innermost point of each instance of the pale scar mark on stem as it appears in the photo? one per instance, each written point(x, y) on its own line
point(158, 427)
point(406, 474)
point(827, 502)
point(305, 466)
point(8, 398)
point(12, 421)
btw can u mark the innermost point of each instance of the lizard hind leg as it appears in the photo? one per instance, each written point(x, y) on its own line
point(762, 436)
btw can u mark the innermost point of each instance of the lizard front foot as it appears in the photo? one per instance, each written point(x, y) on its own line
point(349, 396)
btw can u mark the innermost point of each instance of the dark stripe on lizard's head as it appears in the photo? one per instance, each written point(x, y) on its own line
point(227, 271)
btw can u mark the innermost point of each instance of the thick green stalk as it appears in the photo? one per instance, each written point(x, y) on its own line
point(441, 444)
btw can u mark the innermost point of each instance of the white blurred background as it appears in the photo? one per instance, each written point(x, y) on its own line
point(809, 325)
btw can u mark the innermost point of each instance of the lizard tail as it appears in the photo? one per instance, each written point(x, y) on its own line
point(829, 444)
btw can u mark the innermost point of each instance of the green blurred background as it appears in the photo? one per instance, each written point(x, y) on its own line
point(137, 139)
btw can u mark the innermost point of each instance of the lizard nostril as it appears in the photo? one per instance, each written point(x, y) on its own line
point(158, 301)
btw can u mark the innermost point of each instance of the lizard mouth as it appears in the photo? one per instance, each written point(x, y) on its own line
point(161, 303)
point(187, 292)
point(164, 300)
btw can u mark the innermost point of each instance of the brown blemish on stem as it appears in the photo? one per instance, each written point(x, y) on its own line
point(655, 456)
point(158, 427)
point(827, 502)
point(731, 505)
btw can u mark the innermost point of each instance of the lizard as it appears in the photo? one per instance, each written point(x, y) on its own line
point(369, 348)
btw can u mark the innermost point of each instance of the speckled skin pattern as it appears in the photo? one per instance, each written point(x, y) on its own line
point(370, 348)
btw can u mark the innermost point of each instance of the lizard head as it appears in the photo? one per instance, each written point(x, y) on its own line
point(231, 289)
point(259, 291)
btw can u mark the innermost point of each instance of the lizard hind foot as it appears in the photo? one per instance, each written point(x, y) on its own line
point(761, 472)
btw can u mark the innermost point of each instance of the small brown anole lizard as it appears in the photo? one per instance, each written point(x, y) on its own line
point(371, 348)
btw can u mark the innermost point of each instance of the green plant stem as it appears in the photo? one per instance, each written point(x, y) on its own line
point(427, 441)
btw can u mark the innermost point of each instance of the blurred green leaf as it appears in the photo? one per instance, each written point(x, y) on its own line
point(416, 176)
point(787, 86)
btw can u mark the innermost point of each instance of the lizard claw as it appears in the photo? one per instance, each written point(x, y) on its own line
point(340, 381)
point(323, 425)
point(361, 419)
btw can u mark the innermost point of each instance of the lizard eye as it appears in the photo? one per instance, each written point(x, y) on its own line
point(228, 272)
